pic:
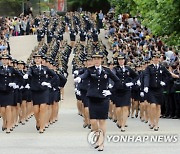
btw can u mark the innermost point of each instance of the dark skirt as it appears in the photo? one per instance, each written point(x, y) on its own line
point(40, 97)
point(155, 95)
point(19, 96)
point(6, 98)
point(24, 94)
point(15, 97)
point(122, 98)
point(29, 96)
point(85, 99)
point(98, 108)
point(56, 96)
point(78, 98)
point(51, 97)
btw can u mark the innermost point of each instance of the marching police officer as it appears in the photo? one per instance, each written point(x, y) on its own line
point(98, 93)
point(155, 77)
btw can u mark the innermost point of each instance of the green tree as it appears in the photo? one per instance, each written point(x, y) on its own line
point(161, 16)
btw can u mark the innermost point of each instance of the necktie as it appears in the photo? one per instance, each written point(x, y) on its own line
point(98, 71)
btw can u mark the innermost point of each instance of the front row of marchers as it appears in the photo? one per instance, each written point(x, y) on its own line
point(103, 92)
point(25, 91)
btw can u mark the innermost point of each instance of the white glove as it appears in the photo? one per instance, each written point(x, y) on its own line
point(110, 86)
point(138, 83)
point(106, 93)
point(76, 72)
point(16, 87)
point(78, 80)
point(78, 93)
point(162, 83)
point(46, 84)
point(54, 89)
point(21, 87)
point(142, 94)
point(49, 85)
point(129, 84)
point(25, 76)
point(75, 90)
point(12, 85)
point(27, 86)
point(146, 89)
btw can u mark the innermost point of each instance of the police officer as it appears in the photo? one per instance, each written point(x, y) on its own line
point(7, 87)
point(98, 93)
point(40, 89)
point(155, 77)
point(123, 92)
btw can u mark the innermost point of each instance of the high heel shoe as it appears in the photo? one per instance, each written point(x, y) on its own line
point(123, 130)
point(3, 128)
point(37, 127)
point(118, 126)
point(151, 127)
point(85, 125)
point(96, 147)
point(41, 132)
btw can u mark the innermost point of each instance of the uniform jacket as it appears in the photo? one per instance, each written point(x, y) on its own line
point(38, 76)
point(98, 83)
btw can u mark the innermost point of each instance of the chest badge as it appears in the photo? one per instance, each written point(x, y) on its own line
point(105, 76)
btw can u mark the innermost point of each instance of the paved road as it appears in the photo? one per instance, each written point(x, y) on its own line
point(68, 136)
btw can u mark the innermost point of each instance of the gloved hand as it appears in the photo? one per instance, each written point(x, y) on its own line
point(76, 72)
point(12, 85)
point(129, 84)
point(25, 76)
point(21, 87)
point(78, 80)
point(16, 87)
point(54, 89)
point(75, 90)
point(27, 86)
point(46, 84)
point(78, 93)
point(162, 83)
point(138, 83)
point(110, 86)
point(106, 93)
point(142, 94)
point(146, 89)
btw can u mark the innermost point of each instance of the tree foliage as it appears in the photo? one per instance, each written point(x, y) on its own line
point(161, 16)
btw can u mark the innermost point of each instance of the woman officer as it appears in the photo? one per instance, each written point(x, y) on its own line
point(122, 94)
point(155, 77)
point(7, 86)
point(98, 93)
point(40, 89)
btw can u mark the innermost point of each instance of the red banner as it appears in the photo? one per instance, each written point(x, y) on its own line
point(61, 5)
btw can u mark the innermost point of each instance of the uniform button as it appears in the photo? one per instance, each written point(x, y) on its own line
point(123, 79)
point(98, 84)
point(98, 88)
point(122, 82)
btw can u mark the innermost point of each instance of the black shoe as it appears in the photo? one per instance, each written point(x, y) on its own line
point(41, 132)
point(11, 129)
point(85, 125)
point(175, 117)
point(151, 127)
point(146, 121)
point(118, 126)
point(115, 121)
point(100, 150)
point(37, 127)
point(132, 117)
point(126, 125)
point(136, 115)
point(3, 128)
point(8, 132)
point(156, 129)
point(89, 126)
point(123, 130)
point(96, 147)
